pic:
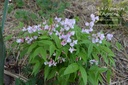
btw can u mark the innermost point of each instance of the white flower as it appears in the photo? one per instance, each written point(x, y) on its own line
point(101, 36)
point(54, 54)
point(87, 24)
point(30, 29)
point(63, 59)
point(71, 49)
point(92, 17)
point(109, 37)
point(24, 29)
point(46, 27)
point(93, 62)
point(27, 38)
point(90, 30)
point(69, 40)
point(35, 37)
point(91, 24)
point(71, 44)
point(97, 18)
point(75, 41)
point(29, 42)
point(19, 40)
point(57, 19)
point(45, 63)
point(72, 32)
point(85, 31)
point(66, 28)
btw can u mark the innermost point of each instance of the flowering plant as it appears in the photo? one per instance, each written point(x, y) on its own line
point(68, 53)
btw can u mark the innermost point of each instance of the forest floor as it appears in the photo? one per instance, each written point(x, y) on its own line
point(82, 9)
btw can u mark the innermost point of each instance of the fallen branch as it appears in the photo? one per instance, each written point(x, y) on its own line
point(15, 75)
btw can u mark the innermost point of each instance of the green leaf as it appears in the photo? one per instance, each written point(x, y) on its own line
point(119, 46)
point(108, 75)
point(71, 68)
point(52, 49)
point(90, 49)
point(23, 52)
point(57, 40)
point(107, 50)
point(102, 69)
point(45, 42)
point(43, 53)
point(83, 55)
point(51, 74)
point(83, 74)
point(58, 53)
point(44, 37)
point(8, 37)
point(36, 67)
point(46, 72)
point(31, 47)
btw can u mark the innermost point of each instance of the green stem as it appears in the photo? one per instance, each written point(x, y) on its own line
point(2, 46)
point(2, 58)
point(4, 13)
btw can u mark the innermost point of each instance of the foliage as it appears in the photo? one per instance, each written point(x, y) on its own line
point(65, 53)
point(111, 13)
point(26, 16)
point(49, 8)
point(41, 9)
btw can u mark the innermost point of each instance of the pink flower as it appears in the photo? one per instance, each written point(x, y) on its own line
point(20, 40)
point(109, 37)
point(63, 43)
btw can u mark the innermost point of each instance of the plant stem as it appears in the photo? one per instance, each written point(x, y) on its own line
point(2, 46)
point(2, 58)
point(4, 13)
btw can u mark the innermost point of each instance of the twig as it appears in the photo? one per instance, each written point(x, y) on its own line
point(15, 75)
point(69, 11)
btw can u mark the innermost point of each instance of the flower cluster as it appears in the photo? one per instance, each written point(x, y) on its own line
point(65, 34)
point(64, 29)
point(52, 62)
point(97, 38)
point(91, 24)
